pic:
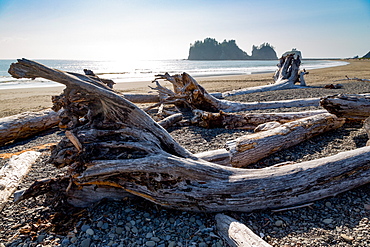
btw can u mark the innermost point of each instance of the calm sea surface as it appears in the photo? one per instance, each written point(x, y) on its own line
point(133, 71)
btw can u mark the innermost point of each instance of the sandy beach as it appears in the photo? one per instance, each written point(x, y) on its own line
point(14, 101)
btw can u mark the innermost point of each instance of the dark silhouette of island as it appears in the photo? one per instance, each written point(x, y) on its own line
point(367, 55)
point(211, 49)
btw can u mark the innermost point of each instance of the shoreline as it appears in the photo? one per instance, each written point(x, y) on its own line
point(15, 101)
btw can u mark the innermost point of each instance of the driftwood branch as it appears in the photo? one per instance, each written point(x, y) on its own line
point(237, 234)
point(170, 120)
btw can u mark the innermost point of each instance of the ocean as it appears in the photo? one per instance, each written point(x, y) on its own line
point(134, 71)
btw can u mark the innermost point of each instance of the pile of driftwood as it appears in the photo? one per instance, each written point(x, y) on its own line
point(115, 149)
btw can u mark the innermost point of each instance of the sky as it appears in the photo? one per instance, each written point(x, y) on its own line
point(165, 29)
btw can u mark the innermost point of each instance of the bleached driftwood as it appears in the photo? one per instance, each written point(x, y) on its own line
point(246, 120)
point(123, 148)
point(26, 124)
point(187, 91)
point(170, 120)
point(236, 233)
point(350, 106)
point(248, 149)
point(218, 156)
point(12, 173)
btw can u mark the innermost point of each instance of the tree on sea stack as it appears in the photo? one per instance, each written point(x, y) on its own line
point(112, 148)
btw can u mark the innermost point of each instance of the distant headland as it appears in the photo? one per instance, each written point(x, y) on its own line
point(211, 49)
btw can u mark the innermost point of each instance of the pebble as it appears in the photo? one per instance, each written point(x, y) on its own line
point(328, 221)
point(86, 242)
point(119, 230)
point(279, 223)
point(172, 244)
point(150, 243)
point(347, 238)
point(90, 231)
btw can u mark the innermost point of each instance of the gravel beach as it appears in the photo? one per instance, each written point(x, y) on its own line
point(341, 220)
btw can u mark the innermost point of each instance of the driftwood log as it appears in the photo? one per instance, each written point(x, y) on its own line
point(12, 173)
point(188, 92)
point(119, 146)
point(350, 106)
point(26, 124)
point(248, 149)
point(236, 233)
point(246, 120)
point(251, 148)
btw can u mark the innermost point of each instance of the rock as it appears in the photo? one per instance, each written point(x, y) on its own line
point(86, 242)
point(279, 223)
point(90, 232)
point(155, 239)
point(99, 224)
point(105, 226)
point(150, 243)
point(171, 244)
point(328, 221)
point(84, 228)
point(65, 241)
point(119, 230)
point(134, 230)
point(40, 238)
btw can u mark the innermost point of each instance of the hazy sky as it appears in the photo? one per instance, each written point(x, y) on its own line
point(161, 29)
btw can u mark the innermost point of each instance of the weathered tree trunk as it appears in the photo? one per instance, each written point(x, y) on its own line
point(246, 120)
point(187, 91)
point(26, 124)
point(119, 146)
point(248, 149)
point(12, 173)
point(350, 106)
point(237, 234)
point(288, 68)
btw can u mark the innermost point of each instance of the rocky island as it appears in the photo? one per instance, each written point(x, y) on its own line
point(211, 49)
